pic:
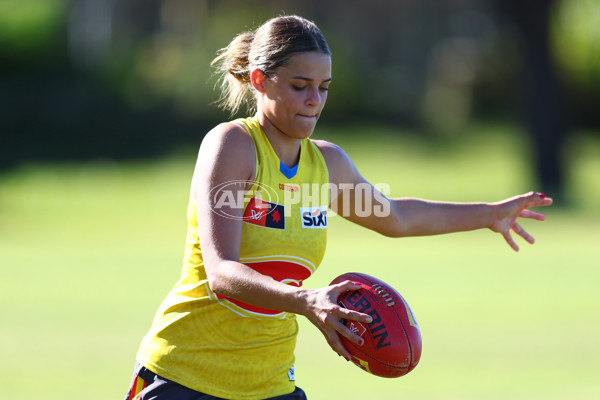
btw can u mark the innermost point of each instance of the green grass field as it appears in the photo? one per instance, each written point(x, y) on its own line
point(88, 250)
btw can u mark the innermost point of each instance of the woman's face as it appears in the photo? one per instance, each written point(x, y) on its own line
point(295, 95)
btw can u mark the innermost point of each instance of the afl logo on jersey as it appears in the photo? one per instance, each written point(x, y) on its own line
point(314, 217)
point(264, 213)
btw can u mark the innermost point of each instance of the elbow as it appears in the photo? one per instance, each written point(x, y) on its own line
point(217, 279)
point(394, 226)
point(392, 232)
point(392, 221)
point(216, 286)
point(390, 226)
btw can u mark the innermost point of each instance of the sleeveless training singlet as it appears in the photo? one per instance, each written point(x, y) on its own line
point(226, 348)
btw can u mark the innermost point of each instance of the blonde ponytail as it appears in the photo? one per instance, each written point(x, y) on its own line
point(233, 67)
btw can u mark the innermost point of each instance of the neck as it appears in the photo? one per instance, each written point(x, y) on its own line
point(286, 148)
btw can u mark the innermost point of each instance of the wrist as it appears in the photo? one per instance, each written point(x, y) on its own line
point(492, 213)
point(300, 302)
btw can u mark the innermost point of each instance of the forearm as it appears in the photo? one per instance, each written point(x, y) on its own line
point(319, 306)
point(416, 217)
point(240, 282)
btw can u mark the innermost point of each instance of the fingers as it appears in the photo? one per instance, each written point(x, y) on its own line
point(328, 316)
point(354, 315)
point(345, 286)
point(519, 206)
point(532, 215)
point(528, 200)
point(510, 241)
point(521, 232)
point(346, 332)
point(533, 200)
point(334, 330)
point(346, 313)
point(340, 314)
point(538, 199)
point(335, 342)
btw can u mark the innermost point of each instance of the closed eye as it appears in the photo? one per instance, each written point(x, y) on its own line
point(301, 88)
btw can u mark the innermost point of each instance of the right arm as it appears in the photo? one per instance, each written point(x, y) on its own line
point(227, 154)
point(419, 217)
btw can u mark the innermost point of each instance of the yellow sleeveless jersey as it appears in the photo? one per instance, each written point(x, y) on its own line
point(226, 348)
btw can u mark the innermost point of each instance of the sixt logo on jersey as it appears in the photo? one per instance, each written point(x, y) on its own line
point(263, 213)
point(314, 217)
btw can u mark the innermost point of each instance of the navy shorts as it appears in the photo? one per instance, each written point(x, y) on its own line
point(146, 385)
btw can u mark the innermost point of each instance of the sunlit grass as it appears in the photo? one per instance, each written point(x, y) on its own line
point(88, 250)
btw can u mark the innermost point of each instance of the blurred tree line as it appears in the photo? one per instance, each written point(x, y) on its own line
point(85, 79)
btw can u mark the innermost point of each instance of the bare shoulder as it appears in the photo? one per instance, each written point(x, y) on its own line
point(228, 142)
point(228, 136)
point(340, 165)
point(332, 153)
point(226, 153)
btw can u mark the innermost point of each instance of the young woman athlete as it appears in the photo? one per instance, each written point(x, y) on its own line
point(257, 217)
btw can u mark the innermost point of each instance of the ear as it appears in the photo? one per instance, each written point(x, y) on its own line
point(257, 77)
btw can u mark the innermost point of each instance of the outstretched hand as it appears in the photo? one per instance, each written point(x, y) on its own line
point(324, 312)
point(518, 207)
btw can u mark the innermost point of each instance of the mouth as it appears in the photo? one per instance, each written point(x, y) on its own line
point(315, 117)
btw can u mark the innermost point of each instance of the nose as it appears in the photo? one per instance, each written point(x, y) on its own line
point(314, 97)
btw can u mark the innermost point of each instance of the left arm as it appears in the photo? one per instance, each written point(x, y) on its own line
point(416, 217)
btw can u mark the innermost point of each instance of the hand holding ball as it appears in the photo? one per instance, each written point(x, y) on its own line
point(392, 341)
